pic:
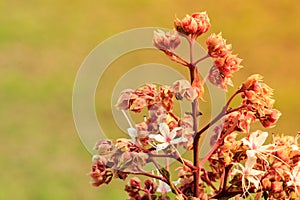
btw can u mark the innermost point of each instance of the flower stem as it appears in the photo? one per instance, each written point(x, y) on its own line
point(201, 59)
point(196, 173)
point(144, 173)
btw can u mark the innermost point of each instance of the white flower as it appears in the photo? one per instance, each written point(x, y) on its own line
point(163, 187)
point(248, 173)
point(166, 137)
point(255, 143)
point(295, 177)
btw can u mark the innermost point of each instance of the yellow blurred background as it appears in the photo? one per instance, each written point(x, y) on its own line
point(43, 43)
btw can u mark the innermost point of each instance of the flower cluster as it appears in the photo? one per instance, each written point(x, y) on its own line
point(257, 98)
point(149, 96)
point(240, 163)
point(194, 25)
point(225, 63)
point(133, 188)
point(271, 170)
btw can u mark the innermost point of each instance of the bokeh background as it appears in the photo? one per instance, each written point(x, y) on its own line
point(43, 43)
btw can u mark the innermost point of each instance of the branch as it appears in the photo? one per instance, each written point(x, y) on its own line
point(181, 160)
point(176, 58)
point(217, 144)
point(144, 173)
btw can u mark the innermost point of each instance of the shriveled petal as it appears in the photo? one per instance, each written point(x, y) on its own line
point(158, 138)
point(164, 129)
point(161, 146)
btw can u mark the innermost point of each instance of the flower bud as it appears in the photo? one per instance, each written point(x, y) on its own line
point(192, 93)
point(251, 80)
point(194, 25)
point(266, 183)
point(277, 186)
point(202, 21)
point(189, 24)
point(150, 185)
point(166, 41)
point(270, 118)
point(217, 46)
point(228, 65)
point(104, 147)
point(133, 188)
point(123, 101)
point(135, 182)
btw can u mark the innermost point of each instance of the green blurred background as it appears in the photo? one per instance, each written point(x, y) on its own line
point(43, 43)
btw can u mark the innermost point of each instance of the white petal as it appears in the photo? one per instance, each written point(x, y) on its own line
point(251, 153)
point(255, 172)
point(246, 142)
point(250, 162)
point(178, 140)
point(158, 138)
point(253, 137)
point(163, 187)
point(164, 129)
point(261, 139)
point(253, 180)
point(132, 132)
point(161, 146)
point(236, 171)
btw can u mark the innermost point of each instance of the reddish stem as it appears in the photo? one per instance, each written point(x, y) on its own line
point(217, 144)
point(196, 173)
point(144, 173)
